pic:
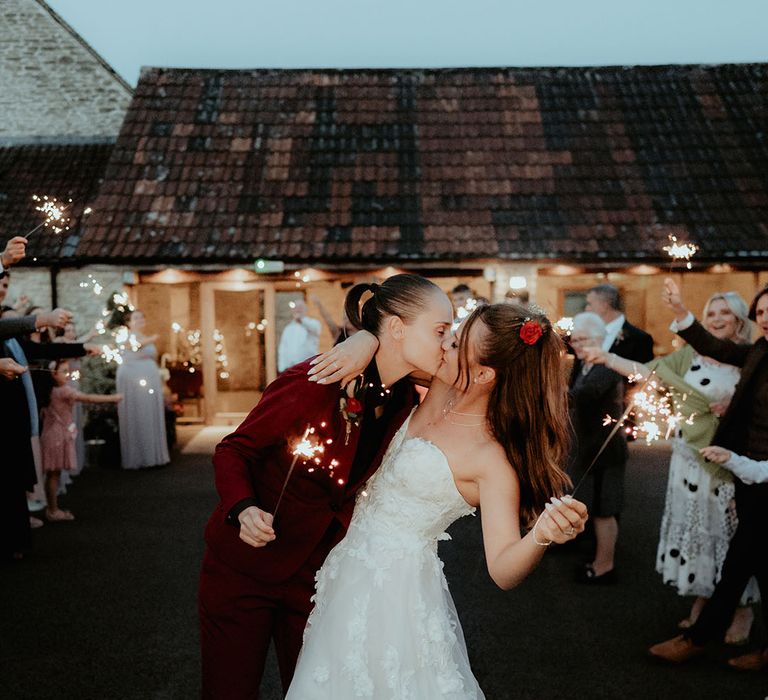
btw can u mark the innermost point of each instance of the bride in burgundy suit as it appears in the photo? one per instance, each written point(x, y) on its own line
point(257, 575)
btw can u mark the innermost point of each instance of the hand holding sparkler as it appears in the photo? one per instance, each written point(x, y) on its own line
point(672, 297)
point(15, 250)
point(562, 520)
point(92, 349)
point(256, 527)
point(10, 369)
point(58, 318)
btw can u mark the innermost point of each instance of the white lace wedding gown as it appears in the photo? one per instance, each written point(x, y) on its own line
point(384, 625)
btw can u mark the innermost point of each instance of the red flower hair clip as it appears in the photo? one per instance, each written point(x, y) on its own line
point(530, 332)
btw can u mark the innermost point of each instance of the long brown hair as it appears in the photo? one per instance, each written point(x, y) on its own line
point(401, 295)
point(528, 405)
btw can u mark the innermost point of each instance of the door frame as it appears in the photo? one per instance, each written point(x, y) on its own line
point(208, 325)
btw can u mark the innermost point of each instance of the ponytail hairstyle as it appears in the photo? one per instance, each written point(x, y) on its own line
point(401, 295)
point(528, 405)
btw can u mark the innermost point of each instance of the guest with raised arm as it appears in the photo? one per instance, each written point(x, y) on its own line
point(743, 430)
point(699, 517)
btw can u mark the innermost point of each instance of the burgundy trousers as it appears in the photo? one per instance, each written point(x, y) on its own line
point(240, 616)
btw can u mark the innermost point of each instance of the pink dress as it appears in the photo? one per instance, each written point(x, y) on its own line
point(57, 441)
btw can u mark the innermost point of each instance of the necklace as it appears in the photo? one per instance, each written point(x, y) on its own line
point(465, 425)
point(448, 409)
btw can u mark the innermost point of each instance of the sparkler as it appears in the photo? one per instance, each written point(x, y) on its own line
point(53, 214)
point(680, 251)
point(306, 448)
point(564, 325)
point(92, 283)
point(653, 408)
point(463, 311)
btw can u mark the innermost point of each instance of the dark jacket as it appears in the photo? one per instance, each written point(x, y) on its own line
point(633, 344)
point(592, 396)
point(740, 426)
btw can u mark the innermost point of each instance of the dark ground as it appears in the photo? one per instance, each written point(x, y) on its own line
point(105, 606)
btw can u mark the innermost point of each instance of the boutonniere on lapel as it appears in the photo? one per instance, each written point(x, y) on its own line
point(351, 404)
point(619, 336)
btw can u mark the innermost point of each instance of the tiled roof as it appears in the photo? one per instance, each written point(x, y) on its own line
point(344, 165)
point(64, 171)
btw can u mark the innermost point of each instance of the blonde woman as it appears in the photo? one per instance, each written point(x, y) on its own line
point(699, 512)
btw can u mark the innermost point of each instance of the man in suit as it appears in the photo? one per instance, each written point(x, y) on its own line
point(257, 577)
point(622, 338)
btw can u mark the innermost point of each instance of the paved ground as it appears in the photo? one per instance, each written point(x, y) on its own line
point(105, 606)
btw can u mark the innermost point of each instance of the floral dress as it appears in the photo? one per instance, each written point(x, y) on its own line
point(699, 512)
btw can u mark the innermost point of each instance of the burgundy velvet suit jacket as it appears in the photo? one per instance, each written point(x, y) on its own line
point(253, 462)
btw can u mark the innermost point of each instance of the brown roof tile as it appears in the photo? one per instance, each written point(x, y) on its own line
point(325, 165)
point(61, 170)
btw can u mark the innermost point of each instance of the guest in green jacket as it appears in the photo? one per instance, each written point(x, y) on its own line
point(699, 512)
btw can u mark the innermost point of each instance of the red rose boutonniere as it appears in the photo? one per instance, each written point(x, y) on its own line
point(351, 404)
point(530, 332)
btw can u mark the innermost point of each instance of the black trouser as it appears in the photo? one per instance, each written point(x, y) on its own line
point(747, 556)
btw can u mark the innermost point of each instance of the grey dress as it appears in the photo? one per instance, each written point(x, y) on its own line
point(141, 413)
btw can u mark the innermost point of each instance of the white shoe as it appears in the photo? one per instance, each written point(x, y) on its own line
point(34, 505)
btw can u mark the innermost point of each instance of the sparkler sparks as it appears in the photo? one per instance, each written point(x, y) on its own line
point(564, 325)
point(93, 284)
point(680, 251)
point(53, 214)
point(652, 408)
point(306, 448)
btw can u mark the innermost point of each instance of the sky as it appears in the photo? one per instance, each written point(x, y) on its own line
point(417, 33)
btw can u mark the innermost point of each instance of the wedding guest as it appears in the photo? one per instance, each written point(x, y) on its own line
point(522, 297)
point(20, 420)
point(339, 332)
point(141, 413)
point(621, 337)
point(299, 339)
point(743, 430)
point(60, 432)
point(699, 514)
point(596, 392)
point(460, 295)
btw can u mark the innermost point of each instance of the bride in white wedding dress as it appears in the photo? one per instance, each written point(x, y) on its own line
point(491, 433)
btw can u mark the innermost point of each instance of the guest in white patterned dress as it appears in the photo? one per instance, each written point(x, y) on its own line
point(699, 512)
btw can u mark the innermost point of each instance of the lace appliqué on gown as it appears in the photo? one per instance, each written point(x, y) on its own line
point(384, 624)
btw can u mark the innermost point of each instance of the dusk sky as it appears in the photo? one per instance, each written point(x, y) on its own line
point(417, 33)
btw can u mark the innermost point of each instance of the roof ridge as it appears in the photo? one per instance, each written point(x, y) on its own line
point(75, 35)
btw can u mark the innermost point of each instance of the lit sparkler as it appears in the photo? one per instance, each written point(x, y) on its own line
point(305, 448)
point(93, 284)
point(564, 325)
point(652, 407)
point(53, 214)
point(680, 251)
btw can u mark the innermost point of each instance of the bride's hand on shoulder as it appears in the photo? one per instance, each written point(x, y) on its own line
point(562, 520)
point(345, 361)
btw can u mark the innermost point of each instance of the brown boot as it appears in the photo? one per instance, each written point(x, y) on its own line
point(754, 661)
point(676, 651)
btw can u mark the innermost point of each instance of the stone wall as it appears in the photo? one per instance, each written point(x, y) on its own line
point(83, 302)
point(51, 82)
